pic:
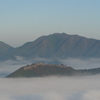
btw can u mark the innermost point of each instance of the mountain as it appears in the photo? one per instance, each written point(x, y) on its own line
point(60, 46)
point(4, 48)
point(57, 46)
point(41, 70)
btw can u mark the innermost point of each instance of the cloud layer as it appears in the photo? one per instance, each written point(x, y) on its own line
point(82, 63)
point(51, 88)
point(10, 66)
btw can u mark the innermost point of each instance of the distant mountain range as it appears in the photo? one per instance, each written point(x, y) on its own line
point(4, 48)
point(53, 46)
point(42, 70)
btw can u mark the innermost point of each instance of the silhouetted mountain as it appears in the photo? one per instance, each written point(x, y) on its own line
point(57, 46)
point(41, 70)
point(4, 48)
point(60, 46)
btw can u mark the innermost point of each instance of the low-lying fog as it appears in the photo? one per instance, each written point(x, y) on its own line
point(50, 88)
point(10, 66)
point(82, 63)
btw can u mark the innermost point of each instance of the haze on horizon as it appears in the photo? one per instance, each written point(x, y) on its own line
point(25, 20)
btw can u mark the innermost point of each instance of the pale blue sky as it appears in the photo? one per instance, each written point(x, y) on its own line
point(25, 20)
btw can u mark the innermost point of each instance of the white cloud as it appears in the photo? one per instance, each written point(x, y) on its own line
point(10, 66)
point(82, 63)
point(91, 95)
point(51, 88)
point(53, 96)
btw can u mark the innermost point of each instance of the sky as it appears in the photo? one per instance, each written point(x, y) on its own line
point(22, 21)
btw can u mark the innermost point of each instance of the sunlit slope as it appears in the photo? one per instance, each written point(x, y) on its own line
point(43, 70)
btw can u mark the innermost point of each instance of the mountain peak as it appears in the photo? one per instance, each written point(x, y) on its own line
point(4, 48)
point(58, 45)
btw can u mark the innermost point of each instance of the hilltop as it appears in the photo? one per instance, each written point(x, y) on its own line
point(42, 70)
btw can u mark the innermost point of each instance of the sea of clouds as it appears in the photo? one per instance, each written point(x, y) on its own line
point(50, 88)
point(10, 66)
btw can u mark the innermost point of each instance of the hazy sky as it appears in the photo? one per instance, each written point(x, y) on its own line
point(25, 20)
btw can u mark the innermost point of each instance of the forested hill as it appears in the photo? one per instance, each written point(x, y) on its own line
point(43, 70)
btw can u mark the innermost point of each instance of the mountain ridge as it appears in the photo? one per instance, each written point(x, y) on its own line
point(57, 45)
point(4, 48)
point(60, 45)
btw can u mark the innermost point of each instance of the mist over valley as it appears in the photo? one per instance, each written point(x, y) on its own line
point(49, 50)
point(51, 87)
